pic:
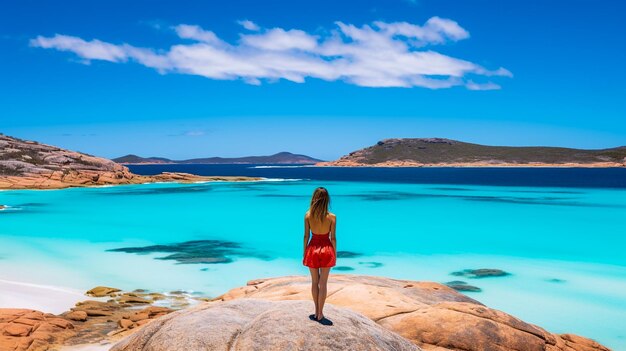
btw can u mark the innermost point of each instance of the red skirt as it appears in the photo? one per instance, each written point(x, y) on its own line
point(320, 252)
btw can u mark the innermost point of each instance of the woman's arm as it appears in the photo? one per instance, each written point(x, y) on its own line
point(307, 232)
point(333, 236)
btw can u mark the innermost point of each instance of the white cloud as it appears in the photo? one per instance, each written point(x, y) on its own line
point(435, 31)
point(482, 86)
point(89, 50)
point(278, 39)
point(378, 55)
point(249, 25)
point(193, 32)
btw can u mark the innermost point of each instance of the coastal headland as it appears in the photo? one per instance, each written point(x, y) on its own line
point(31, 165)
point(441, 152)
point(368, 313)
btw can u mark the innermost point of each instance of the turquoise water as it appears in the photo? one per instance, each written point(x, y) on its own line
point(563, 246)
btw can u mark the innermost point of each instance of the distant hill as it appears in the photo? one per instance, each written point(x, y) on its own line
point(131, 159)
point(416, 152)
point(279, 158)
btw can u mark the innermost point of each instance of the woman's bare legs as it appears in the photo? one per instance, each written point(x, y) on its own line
point(315, 278)
point(323, 282)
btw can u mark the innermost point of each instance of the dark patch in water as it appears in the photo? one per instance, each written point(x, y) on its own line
point(460, 285)
point(14, 210)
point(259, 186)
point(544, 200)
point(343, 268)
point(244, 186)
point(387, 195)
point(25, 208)
point(548, 192)
point(348, 254)
point(32, 204)
point(204, 269)
point(371, 264)
point(481, 273)
point(196, 251)
point(284, 196)
point(550, 201)
point(452, 189)
point(193, 189)
point(556, 280)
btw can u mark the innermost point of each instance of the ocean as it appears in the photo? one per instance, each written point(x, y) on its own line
point(560, 233)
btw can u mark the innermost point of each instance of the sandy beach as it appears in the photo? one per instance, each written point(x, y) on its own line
point(45, 298)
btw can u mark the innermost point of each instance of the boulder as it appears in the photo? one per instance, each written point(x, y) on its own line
point(431, 315)
point(28, 330)
point(130, 298)
point(102, 291)
point(17, 329)
point(251, 324)
point(79, 316)
point(125, 323)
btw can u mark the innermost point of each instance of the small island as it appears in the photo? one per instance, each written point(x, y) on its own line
point(441, 152)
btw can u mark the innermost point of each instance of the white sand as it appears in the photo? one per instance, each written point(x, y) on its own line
point(88, 347)
point(51, 299)
point(45, 298)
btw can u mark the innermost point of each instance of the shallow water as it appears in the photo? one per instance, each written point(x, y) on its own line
point(562, 246)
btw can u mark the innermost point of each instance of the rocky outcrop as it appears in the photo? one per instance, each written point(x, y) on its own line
point(367, 313)
point(28, 330)
point(250, 325)
point(440, 152)
point(102, 291)
point(31, 165)
point(89, 322)
point(431, 315)
point(98, 321)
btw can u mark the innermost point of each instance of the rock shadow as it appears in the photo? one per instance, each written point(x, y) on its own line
point(460, 285)
point(197, 251)
point(348, 254)
point(480, 273)
point(193, 189)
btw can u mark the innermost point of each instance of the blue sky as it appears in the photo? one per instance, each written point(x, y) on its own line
point(186, 79)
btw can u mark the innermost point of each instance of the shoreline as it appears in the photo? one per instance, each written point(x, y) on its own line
point(43, 182)
point(45, 298)
point(411, 164)
point(212, 164)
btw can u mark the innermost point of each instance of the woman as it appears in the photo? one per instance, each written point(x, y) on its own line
point(321, 251)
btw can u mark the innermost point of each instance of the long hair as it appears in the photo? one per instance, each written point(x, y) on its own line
point(319, 204)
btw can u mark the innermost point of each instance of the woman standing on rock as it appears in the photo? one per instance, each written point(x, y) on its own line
point(320, 252)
